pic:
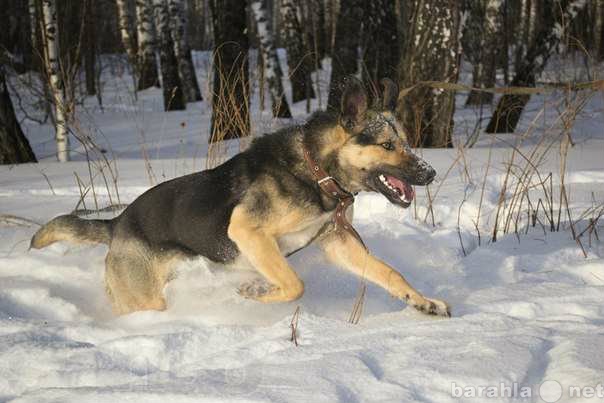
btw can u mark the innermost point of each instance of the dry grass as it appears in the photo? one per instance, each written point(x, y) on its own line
point(228, 115)
point(293, 325)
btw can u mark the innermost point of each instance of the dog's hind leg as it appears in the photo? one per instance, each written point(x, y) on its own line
point(345, 251)
point(135, 277)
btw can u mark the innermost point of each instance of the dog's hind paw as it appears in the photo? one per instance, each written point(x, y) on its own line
point(433, 307)
point(255, 289)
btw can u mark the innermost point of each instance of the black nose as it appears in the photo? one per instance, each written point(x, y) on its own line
point(431, 174)
point(426, 176)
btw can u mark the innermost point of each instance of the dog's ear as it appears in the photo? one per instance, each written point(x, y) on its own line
point(354, 103)
point(389, 94)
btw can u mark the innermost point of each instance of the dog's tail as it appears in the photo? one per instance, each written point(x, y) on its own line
point(74, 229)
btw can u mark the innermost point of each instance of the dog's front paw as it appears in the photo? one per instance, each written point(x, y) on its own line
point(255, 289)
point(432, 307)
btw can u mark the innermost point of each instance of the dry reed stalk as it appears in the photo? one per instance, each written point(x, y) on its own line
point(359, 304)
point(293, 325)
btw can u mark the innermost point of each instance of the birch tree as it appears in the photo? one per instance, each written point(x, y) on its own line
point(125, 26)
point(14, 147)
point(526, 28)
point(182, 51)
point(598, 30)
point(51, 44)
point(270, 60)
point(299, 57)
point(33, 31)
point(331, 17)
point(90, 46)
point(317, 27)
point(171, 85)
point(344, 56)
point(484, 29)
point(147, 66)
point(431, 54)
point(510, 106)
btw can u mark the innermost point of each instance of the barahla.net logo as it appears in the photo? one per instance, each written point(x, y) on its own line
point(549, 391)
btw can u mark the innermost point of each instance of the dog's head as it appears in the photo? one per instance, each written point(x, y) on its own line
point(376, 156)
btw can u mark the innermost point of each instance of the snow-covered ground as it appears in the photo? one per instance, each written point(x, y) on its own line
point(526, 309)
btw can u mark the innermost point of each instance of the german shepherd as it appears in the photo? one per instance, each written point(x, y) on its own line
point(260, 206)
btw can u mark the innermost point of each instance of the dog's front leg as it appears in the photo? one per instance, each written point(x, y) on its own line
point(262, 250)
point(345, 251)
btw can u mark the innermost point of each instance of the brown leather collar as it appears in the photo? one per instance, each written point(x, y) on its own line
point(333, 189)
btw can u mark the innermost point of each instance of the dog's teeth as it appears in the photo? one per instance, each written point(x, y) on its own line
point(382, 178)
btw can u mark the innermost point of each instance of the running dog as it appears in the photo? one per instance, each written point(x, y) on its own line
point(289, 189)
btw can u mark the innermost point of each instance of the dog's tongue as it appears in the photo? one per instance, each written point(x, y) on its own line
point(403, 187)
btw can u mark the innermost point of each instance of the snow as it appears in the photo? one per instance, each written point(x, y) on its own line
point(526, 309)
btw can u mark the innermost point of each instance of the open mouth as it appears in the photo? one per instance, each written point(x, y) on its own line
point(395, 189)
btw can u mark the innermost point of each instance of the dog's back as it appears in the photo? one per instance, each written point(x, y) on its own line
point(189, 214)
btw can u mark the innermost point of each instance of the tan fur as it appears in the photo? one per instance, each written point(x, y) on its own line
point(265, 226)
point(368, 157)
point(257, 237)
point(259, 245)
point(333, 140)
point(72, 229)
point(49, 235)
point(345, 251)
point(135, 277)
point(348, 253)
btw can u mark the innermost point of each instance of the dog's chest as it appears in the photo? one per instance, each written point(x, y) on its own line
point(305, 234)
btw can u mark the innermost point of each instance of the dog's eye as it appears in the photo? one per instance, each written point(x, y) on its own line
point(388, 145)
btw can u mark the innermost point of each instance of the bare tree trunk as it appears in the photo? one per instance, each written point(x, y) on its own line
point(14, 147)
point(171, 85)
point(523, 28)
point(51, 43)
point(318, 29)
point(344, 57)
point(182, 51)
point(33, 32)
point(299, 57)
point(510, 106)
point(379, 44)
point(270, 61)
point(90, 48)
point(487, 18)
point(230, 98)
point(598, 32)
point(147, 66)
point(208, 34)
point(431, 54)
point(331, 14)
point(125, 27)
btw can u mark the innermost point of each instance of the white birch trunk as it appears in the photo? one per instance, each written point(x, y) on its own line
point(532, 20)
point(182, 51)
point(147, 67)
point(272, 67)
point(51, 43)
point(598, 29)
point(485, 67)
point(170, 80)
point(431, 53)
point(124, 26)
point(33, 22)
point(300, 65)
